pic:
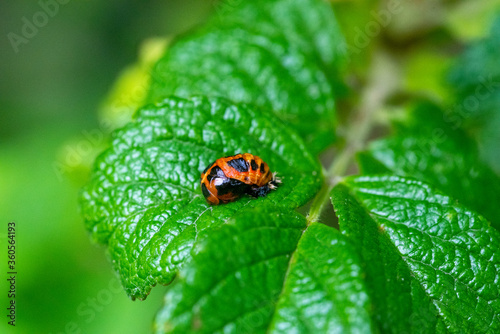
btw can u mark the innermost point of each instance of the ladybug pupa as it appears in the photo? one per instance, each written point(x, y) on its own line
point(229, 178)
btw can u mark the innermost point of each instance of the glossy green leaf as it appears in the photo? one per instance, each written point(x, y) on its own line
point(281, 55)
point(428, 148)
point(324, 290)
point(144, 198)
point(265, 271)
point(432, 265)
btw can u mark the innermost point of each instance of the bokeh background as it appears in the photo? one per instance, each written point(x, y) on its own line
point(51, 94)
point(58, 101)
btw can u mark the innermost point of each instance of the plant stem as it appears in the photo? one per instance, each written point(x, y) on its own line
point(382, 81)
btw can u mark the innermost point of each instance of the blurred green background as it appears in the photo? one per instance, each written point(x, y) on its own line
point(51, 95)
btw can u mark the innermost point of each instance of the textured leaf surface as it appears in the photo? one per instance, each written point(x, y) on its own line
point(324, 291)
point(280, 54)
point(261, 273)
point(144, 199)
point(432, 265)
point(429, 149)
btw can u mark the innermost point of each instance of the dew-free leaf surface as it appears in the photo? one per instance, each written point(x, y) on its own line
point(144, 200)
point(428, 147)
point(432, 265)
point(266, 271)
point(280, 55)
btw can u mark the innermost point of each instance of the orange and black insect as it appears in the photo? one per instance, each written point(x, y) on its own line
point(229, 178)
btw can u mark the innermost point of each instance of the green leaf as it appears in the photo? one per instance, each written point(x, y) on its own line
point(432, 265)
point(475, 79)
point(265, 271)
point(144, 199)
point(428, 148)
point(280, 55)
point(324, 289)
